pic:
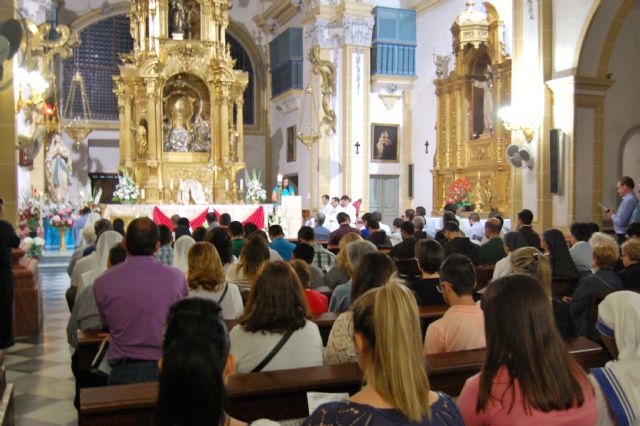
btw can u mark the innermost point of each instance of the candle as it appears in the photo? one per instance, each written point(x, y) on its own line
point(226, 184)
point(143, 194)
point(279, 179)
point(241, 184)
point(171, 184)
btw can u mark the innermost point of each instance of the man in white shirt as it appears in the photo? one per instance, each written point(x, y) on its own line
point(347, 207)
point(327, 206)
point(476, 230)
point(581, 251)
point(383, 227)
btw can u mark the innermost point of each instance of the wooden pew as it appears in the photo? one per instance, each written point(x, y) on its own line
point(28, 298)
point(281, 395)
point(7, 409)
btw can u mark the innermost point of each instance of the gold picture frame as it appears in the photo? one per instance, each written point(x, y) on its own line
point(385, 144)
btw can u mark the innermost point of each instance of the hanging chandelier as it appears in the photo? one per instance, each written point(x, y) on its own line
point(308, 133)
point(77, 111)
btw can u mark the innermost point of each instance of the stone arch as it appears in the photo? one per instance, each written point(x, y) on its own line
point(239, 32)
point(599, 37)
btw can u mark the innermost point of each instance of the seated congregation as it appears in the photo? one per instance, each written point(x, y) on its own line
point(227, 324)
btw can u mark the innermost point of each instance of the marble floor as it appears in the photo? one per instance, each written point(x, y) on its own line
point(40, 367)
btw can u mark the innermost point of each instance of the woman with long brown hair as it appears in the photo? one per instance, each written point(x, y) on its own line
point(528, 377)
point(275, 332)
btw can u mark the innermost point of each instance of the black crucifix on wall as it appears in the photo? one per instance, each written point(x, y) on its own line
point(357, 145)
point(426, 147)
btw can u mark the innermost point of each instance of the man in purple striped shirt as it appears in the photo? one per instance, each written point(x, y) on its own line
point(134, 298)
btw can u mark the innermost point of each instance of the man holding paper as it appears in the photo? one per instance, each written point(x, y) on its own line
point(622, 216)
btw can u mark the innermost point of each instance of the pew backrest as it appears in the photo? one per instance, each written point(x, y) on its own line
point(280, 395)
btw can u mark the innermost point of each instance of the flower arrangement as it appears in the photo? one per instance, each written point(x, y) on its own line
point(459, 193)
point(60, 217)
point(276, 217)
point(255, 192)
point(91, 199)
point(34, 247)
point(30, 214)
point(126, 191)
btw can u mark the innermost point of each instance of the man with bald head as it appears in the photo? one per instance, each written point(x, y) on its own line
point(134, 299)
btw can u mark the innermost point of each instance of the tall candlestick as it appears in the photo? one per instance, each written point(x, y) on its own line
point(241, 184)
point(143, 194)
point(226, 184)
point(279, 179)
point(171, 184)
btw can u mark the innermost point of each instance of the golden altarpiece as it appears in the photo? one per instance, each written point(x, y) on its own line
point(471, 140)
point(180, 100)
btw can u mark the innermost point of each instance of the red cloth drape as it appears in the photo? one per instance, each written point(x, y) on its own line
point(161, 219)
point(199, 220)
point(257, 218)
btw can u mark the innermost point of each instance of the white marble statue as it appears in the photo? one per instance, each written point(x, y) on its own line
point(58, 164)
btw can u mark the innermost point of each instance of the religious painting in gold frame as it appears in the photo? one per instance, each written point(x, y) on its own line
point(291, 144)
point(384, 143)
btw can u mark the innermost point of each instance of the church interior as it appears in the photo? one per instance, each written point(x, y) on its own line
point(137, 109)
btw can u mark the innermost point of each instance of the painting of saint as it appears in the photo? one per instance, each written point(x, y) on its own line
point(384, 143)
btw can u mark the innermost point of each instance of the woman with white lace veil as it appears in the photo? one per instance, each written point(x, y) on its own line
point(617, 384)
point(107, 240)
point(181, 253)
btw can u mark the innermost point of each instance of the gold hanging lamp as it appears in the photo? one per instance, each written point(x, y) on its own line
point(310, 132)
point(78, 125)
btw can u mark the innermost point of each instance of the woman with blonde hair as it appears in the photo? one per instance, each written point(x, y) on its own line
point(342, 271)
point(529, 261)
point(396, 390)
point(254, 253)
point(206, 280)
point(373, 270)
point(603, 281)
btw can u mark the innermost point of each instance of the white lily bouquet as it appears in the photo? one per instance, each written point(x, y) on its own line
point(255, 192)
point(34, 247)
point(126, 190)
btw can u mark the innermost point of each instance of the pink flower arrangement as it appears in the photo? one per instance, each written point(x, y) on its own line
point(60, 217)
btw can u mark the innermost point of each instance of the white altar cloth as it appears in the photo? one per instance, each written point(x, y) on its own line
point(237, 211)
point(435, 222)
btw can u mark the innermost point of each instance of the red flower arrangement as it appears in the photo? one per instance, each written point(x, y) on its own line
point(459, 193)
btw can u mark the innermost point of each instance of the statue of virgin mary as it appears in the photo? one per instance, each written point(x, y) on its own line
point(58, 164)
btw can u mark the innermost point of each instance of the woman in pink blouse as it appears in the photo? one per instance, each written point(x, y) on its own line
point(528, 377)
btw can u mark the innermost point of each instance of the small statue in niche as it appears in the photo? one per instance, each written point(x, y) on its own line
point(233, 136)
point(483, 121)
point(141, 139)
point(179, 17)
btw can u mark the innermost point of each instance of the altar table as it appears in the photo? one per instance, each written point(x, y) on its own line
point(127, 212)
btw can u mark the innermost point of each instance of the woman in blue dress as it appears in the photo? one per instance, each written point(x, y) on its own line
point(396, 390)
point(283, 190)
